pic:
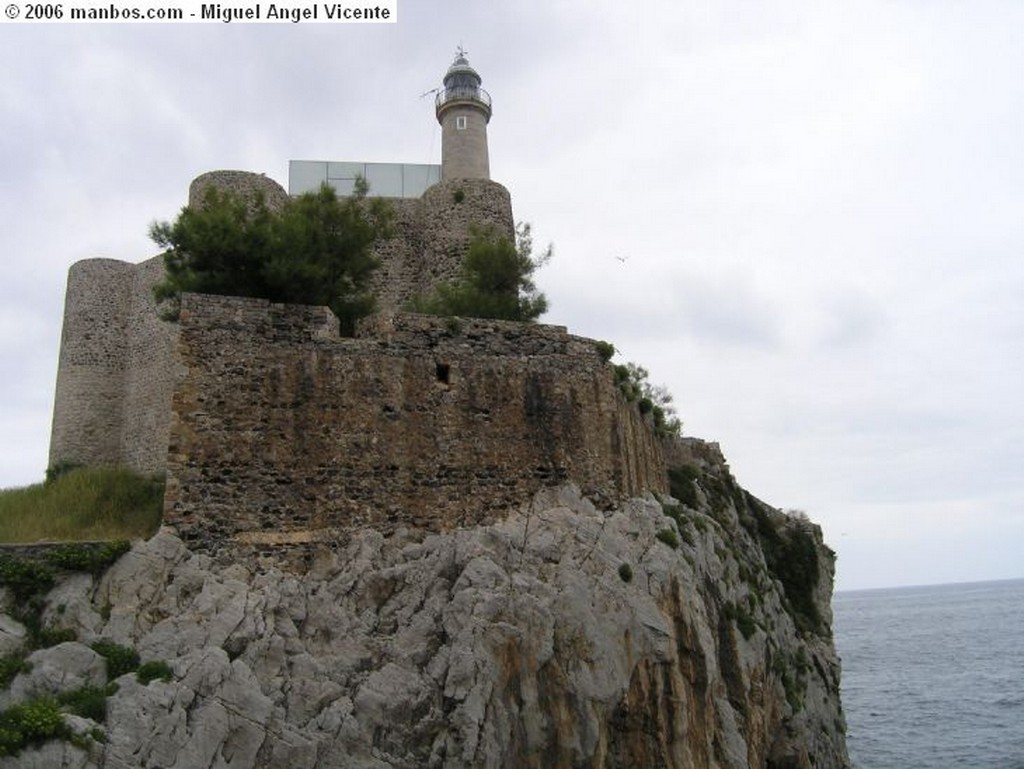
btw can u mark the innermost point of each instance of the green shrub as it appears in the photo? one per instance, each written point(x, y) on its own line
point(746, 624)
point(606, 350)
point(739, 614)
point(675, 512)
point(120, 659)
point(89, 558)
point(318, 250)
point(41, 719)
point(656, 401)
point(496, 280)
point(682, 484)
point(626, 572)
point(88, 702)
point(30, 723)
point(791, 554)
point(794, 686)
point(678, 514)
point(29, 580)
point(458, 196)
point(26, 578)
point(625, 382)
point(45, 637)
point(668, 537)
point(153, 670)
point(10, 666)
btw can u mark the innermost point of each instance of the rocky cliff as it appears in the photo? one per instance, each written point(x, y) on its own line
point(690, 632)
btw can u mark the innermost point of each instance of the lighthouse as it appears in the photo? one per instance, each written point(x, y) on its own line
point(463, 109)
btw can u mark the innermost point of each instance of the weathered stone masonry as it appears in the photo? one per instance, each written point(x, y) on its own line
point(273, 429)
point(117, 364)
point(283, 431)
point(116, 369)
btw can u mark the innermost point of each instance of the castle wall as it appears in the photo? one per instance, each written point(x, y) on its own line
point(282, 431)
point(115, 372)
point(431, 234)
point(87, 411)
point(118, 361)
point(151, 372)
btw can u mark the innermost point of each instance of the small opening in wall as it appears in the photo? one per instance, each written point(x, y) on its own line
point(444, 373)
point(460, 122)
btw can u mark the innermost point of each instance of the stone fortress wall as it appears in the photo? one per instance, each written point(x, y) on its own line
point(116, 369)
point(117, 366)
point(273, 429)
point(284, 432)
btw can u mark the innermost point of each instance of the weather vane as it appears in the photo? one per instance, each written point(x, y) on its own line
point(461, 52)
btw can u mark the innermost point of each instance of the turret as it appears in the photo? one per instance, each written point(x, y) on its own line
point(463, 109)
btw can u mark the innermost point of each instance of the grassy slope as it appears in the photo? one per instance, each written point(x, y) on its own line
point(94, 503)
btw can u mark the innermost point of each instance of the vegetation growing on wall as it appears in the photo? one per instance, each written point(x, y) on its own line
point(318, 250)
point(496, 280)
point(655, 400)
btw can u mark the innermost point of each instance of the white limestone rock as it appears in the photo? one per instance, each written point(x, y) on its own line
point(53, 755)
point(70, 605)
point(12, 635)
point(513, 644)
point(60, 668)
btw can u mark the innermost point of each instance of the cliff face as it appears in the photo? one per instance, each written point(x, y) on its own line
point(688, 635)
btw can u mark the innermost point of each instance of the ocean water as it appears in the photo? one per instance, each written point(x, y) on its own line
point(933, 676)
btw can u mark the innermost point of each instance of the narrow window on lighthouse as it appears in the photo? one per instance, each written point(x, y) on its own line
point(460, 122)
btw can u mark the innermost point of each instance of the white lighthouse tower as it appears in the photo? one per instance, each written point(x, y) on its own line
point(463, 109)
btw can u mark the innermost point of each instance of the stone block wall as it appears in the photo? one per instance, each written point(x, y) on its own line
point(283, 432)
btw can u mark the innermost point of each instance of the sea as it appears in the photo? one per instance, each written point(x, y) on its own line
point(933, 677)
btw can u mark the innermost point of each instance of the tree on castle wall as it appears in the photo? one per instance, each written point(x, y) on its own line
point(316, 250)
point(496, 280)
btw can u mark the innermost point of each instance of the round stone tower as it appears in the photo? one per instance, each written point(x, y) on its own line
point(463, 109)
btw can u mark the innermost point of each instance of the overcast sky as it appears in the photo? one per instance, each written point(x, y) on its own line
point(819, 206)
